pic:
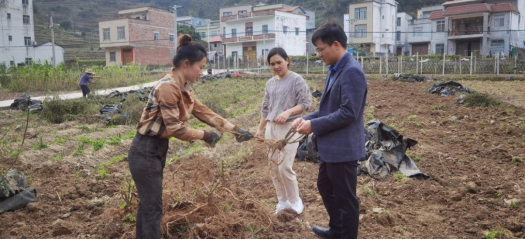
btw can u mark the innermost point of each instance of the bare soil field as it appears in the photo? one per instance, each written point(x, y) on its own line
point(474, 156)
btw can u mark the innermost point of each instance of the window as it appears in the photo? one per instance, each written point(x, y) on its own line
point(112, 56)
point(215, 45)
point(440, 49)
point(285, 29)
point(297, 31)
point(27, 41)
point(265, 29)
point(10, 38)
point(360, 13)
point(213, 33)
point(28, 61)
point(225, 14)
point(121, 34)
point(25, 2)
point(156, 36)
point(249, 31)
point(8, 16)
point(398, 23)
point(499, 20)
point(418, 31)
point(172, 37)
point(360, 31)
point(234, 32)
point(203, 35)
point(440, 26)
point(144, 17)
point(398, 36)
point(26, 19)
point(105, 32)
point(243, 12)
point(383, 17)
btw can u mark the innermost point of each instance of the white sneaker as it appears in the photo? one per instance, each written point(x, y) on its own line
point(298, 206)
point(282, 205)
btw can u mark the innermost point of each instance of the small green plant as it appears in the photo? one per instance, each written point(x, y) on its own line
point(418, 158)
point(440, 107)
point(40, 145)
point(56, 158)
point(497, 232)
point(195, 191)
point(128, 218)
point(84, 128)
point(60, 140)
point(98, 144)
point(386, 211)
point(79, 150)
point(411, 117)
point(128, 191)
point(102, 172)
point(84, 140)
point(400, 177)
point(14, 154)
point(515, 159)
point(515, 204)
point(130, 135)
point(370, 114)
point(368, 191)
point(404, 228)
point(115, 140)
point(253, 229)
point(481, 100)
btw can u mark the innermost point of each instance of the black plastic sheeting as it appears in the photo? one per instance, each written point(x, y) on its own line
point(386, 152)
point(412, 78)
point(110, 110)
point(317, 94)
point(14, 193)
point(25, 102)
point(448, 88)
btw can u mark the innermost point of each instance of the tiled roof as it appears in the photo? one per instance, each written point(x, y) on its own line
point(473, 8)
point(504, 7)
point(436, 15)
point(290, 9)
point(216, 39)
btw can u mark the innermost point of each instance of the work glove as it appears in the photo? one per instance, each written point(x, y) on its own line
point(211, 138)
point(242, 135)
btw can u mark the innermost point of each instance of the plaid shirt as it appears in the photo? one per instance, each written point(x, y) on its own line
point(170, 106)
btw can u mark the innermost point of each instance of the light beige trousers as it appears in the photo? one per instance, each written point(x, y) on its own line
point(283, 176)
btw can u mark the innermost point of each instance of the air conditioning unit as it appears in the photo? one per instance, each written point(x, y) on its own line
point(34, 43)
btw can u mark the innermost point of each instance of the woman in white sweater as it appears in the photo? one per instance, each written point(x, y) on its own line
point(286, 96)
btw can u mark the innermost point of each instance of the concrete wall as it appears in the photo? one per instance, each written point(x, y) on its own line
point(113, 26)
point(152, 56)
point(15, 50)
point(403, 41)
point(45, 52)
point(368, 22)
point(234, 11)
point(295, 45)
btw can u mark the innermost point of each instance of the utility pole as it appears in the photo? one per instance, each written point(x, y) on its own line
point(52, 39)
point(175, 7)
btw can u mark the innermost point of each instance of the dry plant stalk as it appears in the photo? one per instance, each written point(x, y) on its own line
point(277, 146)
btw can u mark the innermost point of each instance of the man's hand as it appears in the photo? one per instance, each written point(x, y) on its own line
point(211, 138)
point(283, 117)
point(296, 123)
point(259, 133)
point(305, 128)
point(243, 135)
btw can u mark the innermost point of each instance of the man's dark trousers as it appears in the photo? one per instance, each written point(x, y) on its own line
point(337, 184)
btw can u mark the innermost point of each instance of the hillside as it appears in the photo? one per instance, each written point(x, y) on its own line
point(81, 17)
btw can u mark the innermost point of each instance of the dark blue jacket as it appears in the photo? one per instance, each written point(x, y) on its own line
point(338, 123)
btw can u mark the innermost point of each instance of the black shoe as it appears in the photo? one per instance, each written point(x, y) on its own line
point(324, 232)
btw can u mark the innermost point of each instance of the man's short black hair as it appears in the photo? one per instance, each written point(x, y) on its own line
point(330, 32)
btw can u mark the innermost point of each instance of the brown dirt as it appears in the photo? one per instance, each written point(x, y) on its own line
point(466, 151)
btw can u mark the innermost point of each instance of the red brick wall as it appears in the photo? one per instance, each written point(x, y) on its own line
point(152, 56)
point(147, 51)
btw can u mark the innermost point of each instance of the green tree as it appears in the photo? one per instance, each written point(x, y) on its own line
point(190, 30)
point(66, 25)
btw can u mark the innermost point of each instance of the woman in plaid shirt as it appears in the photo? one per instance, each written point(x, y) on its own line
point(170, 105)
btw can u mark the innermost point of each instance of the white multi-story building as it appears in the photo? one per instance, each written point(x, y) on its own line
point(483, 27)
point(402, 28)
point(17, 44)
point(250, 32)
point(373, 23)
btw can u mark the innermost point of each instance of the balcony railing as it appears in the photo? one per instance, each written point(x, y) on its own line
point(466, 31)
point(259, 37)
point(248, 15)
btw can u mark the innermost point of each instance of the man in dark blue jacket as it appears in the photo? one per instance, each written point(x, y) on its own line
point(338, 125)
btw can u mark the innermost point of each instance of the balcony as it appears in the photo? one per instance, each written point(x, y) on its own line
point(263, 13)
point(466, 28)
point(260, 37)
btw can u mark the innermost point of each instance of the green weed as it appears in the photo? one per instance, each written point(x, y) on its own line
point(253, 229)
point(56, 158)
point(400, 177)
point(130, 135)
point(481, 100)
point(102, 172)
point(115, 140)
point(515, 159)
point(79, 150)
point(497, 232)
point(84, 140)
point(515, 204)
point(60, 140)
point(368, 191)
point(98, 144)
point(439, 107)
point(40, 145)
point(128, 218)
point(14, 154)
